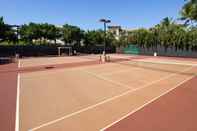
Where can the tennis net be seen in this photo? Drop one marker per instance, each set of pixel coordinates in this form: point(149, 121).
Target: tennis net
point(171, 67)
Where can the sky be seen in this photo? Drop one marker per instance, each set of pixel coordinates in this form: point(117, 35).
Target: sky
point(129, 14)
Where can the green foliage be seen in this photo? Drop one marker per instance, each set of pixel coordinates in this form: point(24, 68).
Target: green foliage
point(94, 37)
point(41, 32)
point(110, 39)
point(3, 29)
point(97, 37)
point(168, 34)
point(192, 38)
point(71, 34)
point(6, 32)
point(189, 11)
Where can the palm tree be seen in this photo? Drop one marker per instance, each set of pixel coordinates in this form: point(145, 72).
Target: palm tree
point(189, 11)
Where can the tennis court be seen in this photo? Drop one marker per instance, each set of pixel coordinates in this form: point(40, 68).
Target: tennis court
point(44, 61)
point(95, 96)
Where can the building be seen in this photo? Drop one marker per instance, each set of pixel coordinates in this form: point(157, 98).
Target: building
point(116, 30)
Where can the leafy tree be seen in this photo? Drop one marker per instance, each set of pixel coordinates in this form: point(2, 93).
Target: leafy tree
point(27, 33)
point(140, 37)
point(121, 42)
point(94, 37)
point(112, 41)
point(168, 34)
point(6, 32)
point(54, 33)
point(41, 32)
point(189, 11)
point(31, 32)
point(49, 32)
point(71, 34)
point(2, 29)
point(192, 38)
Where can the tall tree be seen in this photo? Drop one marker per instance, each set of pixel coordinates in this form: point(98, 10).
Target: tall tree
point(94, 37)
point(41, 32)
point(192, 38)
point(29, 32)
point(6, 32)
point(189, 11)
point(2, 29)
point(71, 34)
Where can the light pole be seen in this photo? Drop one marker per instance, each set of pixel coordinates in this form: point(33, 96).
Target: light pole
point(105, 21)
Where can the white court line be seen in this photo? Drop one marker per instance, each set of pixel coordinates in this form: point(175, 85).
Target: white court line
point(17, 104)
point(108, 80)
point(105, 101)
point(149, 102)
point(117, 72)
point(19, 63)
point(162, 62)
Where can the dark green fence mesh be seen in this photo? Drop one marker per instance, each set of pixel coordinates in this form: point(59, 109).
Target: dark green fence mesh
point(131, 49)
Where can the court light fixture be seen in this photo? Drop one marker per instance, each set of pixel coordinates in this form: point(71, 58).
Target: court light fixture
point(105, 21)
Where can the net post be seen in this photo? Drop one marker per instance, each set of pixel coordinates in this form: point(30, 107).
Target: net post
point(59, 53)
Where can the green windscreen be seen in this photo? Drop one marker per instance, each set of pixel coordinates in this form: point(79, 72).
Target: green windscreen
point(131, 49)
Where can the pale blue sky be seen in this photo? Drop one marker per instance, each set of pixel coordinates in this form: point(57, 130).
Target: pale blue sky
point(86, 13)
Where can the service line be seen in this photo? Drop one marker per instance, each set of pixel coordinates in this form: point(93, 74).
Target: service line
point(144, 105)
point(107, 100)
point(17, 104)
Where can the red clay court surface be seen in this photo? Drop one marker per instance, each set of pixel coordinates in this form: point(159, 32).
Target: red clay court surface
point(166, 113)
point(8, 88)
point(85, 95)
